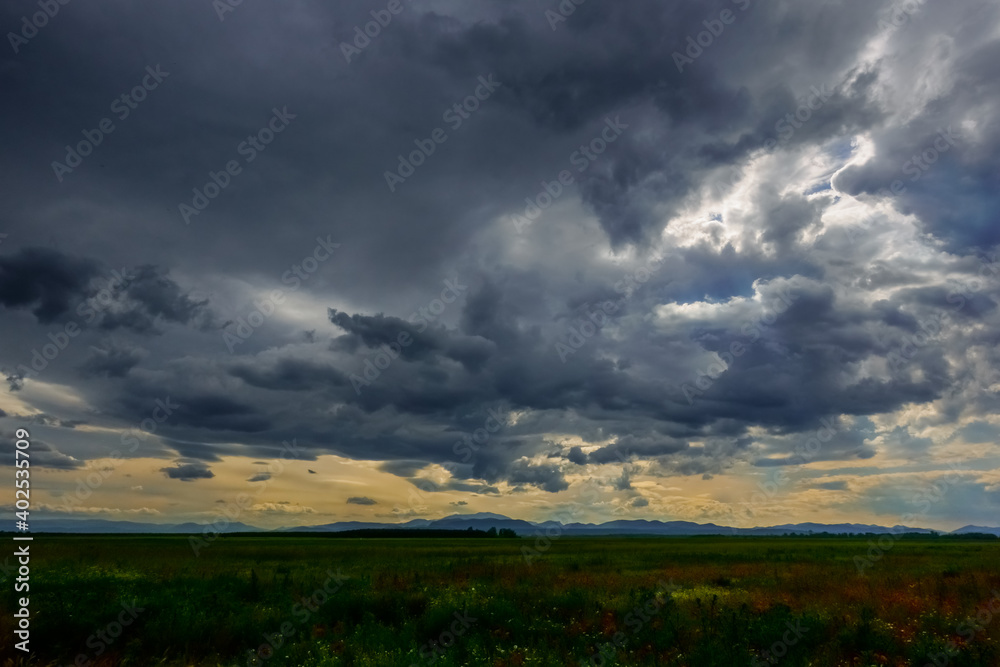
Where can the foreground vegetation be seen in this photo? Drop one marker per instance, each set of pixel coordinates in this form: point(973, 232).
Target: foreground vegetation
point(314, 601)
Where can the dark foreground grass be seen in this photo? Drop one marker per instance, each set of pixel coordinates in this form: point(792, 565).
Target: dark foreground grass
point(639, 601)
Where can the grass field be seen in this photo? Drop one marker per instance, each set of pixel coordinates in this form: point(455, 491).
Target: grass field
point(445, 602)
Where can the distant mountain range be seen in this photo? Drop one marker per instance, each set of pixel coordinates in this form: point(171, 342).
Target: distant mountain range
point(487, 520)
point(964, 530)
point(104, 526)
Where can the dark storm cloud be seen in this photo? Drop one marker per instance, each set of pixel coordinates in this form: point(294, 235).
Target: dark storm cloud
point(482, 489)
point(14, 379)
point(114, 359)
point(576, 455)
point(843, 444)
point(60, 286)
point(188, 472)
point(46, 281)
point(784, 219)
point(288, 375)
point(776, 389)
point(377, 330)
point(546, 477)
point(42, 454)
point(44, 419)
point(836, 309)
point(558, 87)
point(151, 296)
point(639, 444)
point(411, 341)
point(218, 412)
point(403, 468)
point(420, 388)
point(361, 500)
point(623, 483)
point(945, 177)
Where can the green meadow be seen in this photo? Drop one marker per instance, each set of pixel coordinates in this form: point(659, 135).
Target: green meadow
point(319, 601)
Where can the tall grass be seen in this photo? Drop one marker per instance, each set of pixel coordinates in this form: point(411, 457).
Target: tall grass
point(734, 603)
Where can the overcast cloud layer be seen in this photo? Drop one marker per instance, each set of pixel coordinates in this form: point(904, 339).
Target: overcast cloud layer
point(715, 261)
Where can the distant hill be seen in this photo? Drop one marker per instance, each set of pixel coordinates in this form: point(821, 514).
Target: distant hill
point(483, 521)
point(965, 530)
point(104, 526)
point(838, 528)
point(412, 532)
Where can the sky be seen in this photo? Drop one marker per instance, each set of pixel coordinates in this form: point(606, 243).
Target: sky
point(304, 262)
